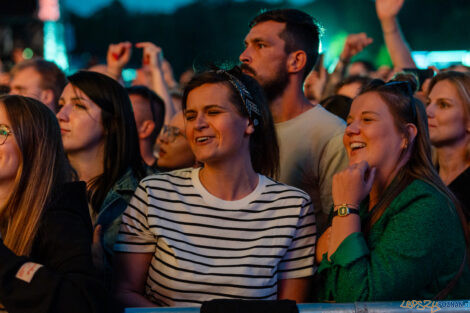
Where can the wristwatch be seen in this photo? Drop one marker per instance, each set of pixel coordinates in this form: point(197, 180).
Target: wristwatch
point(344, 210)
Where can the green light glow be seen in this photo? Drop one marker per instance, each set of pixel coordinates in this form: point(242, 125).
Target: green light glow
point(28, 53)
point(54, 45)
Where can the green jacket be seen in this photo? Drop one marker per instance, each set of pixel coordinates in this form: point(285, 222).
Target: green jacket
point(412, 252)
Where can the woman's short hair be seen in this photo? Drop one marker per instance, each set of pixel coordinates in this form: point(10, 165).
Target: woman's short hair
point(264, 150)
point(43, 168)
point(121, 144)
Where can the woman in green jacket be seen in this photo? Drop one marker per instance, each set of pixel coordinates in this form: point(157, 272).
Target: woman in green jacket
point(396, 232)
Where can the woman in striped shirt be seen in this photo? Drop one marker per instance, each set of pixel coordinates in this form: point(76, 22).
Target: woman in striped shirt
point(225, 230)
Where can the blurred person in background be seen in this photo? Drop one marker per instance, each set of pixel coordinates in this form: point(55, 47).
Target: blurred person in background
point(174, 151)
point(448, 113)
point(38, 79)
point(149, 113)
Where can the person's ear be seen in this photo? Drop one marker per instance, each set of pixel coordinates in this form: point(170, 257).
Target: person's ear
point(47, 97)
point(250, 128)
point(412, 131)
point(296, 61)
point(146, 129)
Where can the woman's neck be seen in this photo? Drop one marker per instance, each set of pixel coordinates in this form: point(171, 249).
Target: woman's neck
point(229, 181)
point(452, 162)
point(88, 164)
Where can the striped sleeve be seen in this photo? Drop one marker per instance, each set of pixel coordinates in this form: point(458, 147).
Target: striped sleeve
point(300, 256)
point(135, 234)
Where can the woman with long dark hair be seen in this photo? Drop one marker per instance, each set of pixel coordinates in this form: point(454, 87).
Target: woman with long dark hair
point(396, 232)
point(100, 138)
point(223, 230)
point(45, 255)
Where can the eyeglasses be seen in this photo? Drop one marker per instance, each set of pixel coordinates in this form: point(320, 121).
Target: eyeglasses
point(171, 132)
point(4, 132)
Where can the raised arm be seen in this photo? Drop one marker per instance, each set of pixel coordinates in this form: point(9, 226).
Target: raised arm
point(117, 57)
point(152, 55)
point(387, 11)
point(354, 44)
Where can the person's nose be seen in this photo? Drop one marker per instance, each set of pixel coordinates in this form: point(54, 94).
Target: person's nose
point(245, 56)
point(352, 129)
point(63, 114)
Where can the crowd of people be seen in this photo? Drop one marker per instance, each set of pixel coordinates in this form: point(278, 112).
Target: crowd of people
point(270, 180)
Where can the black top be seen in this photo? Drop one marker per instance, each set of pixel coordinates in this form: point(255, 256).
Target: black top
point(461, 189)
point(67, 281)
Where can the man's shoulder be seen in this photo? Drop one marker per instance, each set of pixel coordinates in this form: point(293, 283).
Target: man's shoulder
point(317, 117)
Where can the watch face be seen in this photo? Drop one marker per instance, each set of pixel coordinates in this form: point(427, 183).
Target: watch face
point(343, 210)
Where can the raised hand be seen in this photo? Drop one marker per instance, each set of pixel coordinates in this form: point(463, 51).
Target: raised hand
point(387, 9)
point(353, 184)
point(354, 44)
point(118, 55)
point(152, 54)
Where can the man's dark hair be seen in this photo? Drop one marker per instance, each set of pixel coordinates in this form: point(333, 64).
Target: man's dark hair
point(301, 32)
point(157, 106)
point(52, 76)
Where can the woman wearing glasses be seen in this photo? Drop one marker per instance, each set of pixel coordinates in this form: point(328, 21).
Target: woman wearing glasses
point(46, 233)
point(174, 151)
point(395, 233)
point(100, 138)
point(225, 230)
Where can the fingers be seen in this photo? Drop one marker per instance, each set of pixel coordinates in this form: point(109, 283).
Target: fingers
point(370, 179)
point(354, 44)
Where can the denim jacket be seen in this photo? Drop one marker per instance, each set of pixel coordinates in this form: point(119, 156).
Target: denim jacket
point(109, 217)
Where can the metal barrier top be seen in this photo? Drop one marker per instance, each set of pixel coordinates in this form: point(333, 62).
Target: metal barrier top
point(414, 306)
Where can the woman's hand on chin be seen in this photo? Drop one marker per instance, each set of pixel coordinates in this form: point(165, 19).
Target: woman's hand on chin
point(353, 184)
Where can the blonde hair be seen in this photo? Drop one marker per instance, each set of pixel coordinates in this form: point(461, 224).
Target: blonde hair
point(43, 167)
point(461, 82)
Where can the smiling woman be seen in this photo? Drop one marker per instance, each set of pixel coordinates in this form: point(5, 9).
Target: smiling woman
point(392, 211)
point(225, 230)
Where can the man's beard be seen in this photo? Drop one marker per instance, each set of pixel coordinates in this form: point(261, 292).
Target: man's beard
point(272, 88)
point(275, 87)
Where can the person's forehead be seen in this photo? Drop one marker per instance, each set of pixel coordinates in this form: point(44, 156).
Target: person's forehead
point(138, 100)
point(267, 29)
point(27, 77)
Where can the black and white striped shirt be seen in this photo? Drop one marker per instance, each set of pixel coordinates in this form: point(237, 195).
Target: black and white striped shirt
point(206, 248)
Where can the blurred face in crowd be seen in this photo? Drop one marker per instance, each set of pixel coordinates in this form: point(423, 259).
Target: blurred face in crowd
point(10, 155)
point(27, 82)
point(350, 90)
point(448, 120)
point(357, 69)
point(141, 108)
point(174, 150)
point(80, 121)
point(215, 129)
point(264, 57)
point(371, 134)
